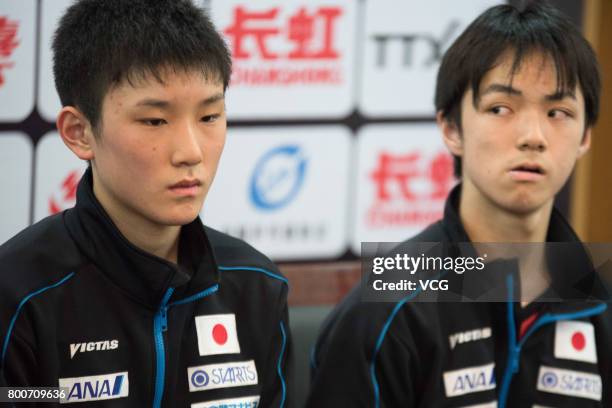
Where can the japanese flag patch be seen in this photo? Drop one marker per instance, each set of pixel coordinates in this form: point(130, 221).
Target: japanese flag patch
point(575, 341)
point(217, 334)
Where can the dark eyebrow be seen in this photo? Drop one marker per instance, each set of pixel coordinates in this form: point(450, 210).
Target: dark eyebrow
point(163, 104)
point(501, 88)
point(560, 95)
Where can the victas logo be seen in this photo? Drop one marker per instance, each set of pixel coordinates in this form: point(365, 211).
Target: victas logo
point(95, 388)
point(93, 346)
point(225, 375)
point(470, 335)
point(278, 177)
point(469, 380)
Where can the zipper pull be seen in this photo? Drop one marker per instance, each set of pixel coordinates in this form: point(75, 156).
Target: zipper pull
point(164, 318)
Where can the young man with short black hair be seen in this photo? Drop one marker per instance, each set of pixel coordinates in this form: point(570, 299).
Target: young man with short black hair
point(127, 300)
point(517, 95)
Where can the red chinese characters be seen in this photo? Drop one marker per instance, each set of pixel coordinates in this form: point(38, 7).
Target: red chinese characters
point(280, 40)
point(409, 188)
point(69, 189)
point(8, 43)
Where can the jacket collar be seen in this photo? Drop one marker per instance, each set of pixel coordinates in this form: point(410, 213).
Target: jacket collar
point(143, 276)
point(572, 273)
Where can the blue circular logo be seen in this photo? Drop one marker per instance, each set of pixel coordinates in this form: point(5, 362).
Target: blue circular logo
point(278, 177)
point(549, 380)
point(199, 378)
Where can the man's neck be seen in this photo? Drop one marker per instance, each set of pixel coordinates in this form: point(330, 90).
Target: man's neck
point(159, 240)
point(484, 221)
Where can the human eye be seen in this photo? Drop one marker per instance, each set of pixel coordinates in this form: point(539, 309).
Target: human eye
point(153, 122)
point(210, 118)
point(499, 110)
point(559, 114)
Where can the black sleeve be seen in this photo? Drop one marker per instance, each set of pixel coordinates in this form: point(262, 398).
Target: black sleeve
point(362, 362)
point(279, 366)
point(20, 367)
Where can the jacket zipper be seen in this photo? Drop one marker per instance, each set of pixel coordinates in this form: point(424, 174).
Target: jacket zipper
point(160, 325)
point(514, 348)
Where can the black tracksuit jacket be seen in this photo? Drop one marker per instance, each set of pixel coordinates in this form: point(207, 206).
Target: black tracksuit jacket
point(83, 308)
point(450, 354)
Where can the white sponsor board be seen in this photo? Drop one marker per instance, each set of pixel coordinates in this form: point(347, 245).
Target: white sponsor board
point(17, 52)
point(403, 176)
point(58, 172)
point(290, 58)
point(284, 190)
point(403, 43)
point(48, 100)
point(15, 183)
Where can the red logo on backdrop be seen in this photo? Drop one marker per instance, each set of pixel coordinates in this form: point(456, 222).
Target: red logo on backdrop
point(410, 188)
point(305, 36)
point(8, 43)
point(68, 194)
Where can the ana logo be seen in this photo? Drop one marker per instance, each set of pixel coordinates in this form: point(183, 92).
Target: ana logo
point(8, 43)
point(225, 375)
point(68, 196)
point(278, 177)
point(569, 382)
point(469, 380)
point(217, 334)
point(93, 346)
point(95, 388)
point(470, 335)
point(242, 402)
point(575, 341)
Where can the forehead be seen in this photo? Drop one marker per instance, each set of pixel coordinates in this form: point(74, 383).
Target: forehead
point(164, 81)
point(531, 73)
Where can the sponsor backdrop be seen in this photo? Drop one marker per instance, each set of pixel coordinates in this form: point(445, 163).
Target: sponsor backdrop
point(332, 139)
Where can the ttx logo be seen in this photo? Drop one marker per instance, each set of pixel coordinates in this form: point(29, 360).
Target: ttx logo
point(409, 44)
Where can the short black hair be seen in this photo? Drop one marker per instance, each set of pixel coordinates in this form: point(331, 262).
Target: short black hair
point(533, 27)
point(100, 43)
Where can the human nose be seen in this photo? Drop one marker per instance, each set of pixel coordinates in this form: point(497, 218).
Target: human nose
point(532, 133)
point(187, 149)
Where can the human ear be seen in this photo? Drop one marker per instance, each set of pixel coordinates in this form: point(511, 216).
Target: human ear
point(585, 144)
point(450, 134)
point(75, 130)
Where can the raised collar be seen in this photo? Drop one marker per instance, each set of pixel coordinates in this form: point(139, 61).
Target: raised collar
point(143, 276)
point(572, 273)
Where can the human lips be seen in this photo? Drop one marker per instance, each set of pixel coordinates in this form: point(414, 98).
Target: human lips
point(527, 171)
point(186, 187)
